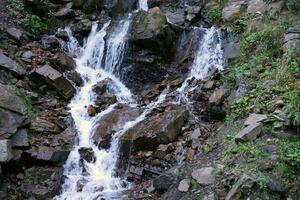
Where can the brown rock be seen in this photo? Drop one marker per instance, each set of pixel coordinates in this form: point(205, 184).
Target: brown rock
point(91, 111)
point(217, 96)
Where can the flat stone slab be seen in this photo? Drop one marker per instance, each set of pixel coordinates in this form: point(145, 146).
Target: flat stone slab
point(249, 133)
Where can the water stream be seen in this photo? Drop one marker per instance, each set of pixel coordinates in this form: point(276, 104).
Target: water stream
point(99, 58)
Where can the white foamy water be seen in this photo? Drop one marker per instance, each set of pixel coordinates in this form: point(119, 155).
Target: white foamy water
point(208, 59)
point(97, 178)
point(143, 5)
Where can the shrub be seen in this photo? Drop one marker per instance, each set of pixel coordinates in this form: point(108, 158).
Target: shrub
point(293, 5)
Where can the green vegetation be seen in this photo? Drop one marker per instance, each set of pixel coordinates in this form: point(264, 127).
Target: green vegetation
point(28, 104)
point(31, 22)
point(213, 15)
point(293, 5)
point(261, 61)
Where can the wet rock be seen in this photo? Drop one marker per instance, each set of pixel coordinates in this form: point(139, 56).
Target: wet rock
point(50, 42)
point(233, 9)
point(244, 182)
point(5, 151)
point(231, 45)
point(251, 132)
point(83, 27)
point(91, 110)
point(112, 122)
point(217, 96)
point(55, 79)
point(153, 42)
point(20, 139)
point(87, 154)
point(13, 113)
point(43, 126)
point(255, 118)
point(8, 64)
point(75, 77)
point(184, 185)
point(204, 176)
point(159, 128)
point(113, 7)
point(62, 62)
point(163, 182)
point(192, 12)
point(190, 154)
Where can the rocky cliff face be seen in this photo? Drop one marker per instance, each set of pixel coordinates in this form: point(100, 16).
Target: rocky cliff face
point(200, 150)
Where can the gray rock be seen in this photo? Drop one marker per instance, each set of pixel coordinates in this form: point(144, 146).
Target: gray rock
point(49, 154)
point(195, 138)
point(233, 9)
point(255, 118)
point(192, 12)
point(184, 185)
point(20, 139)
point(8, 64)
point(163, 182)
point(244, 182)
point(275, 185)
point(249, 133)
point(257, 7)
point(13, 113)
point(27, 54)
point(204, 176)
point(65, 13)
point(56, 80)
point(16, 34)
point(292, 38)
point(5, 151)
point(43, 126)
point(209, 196)
point(217, 96)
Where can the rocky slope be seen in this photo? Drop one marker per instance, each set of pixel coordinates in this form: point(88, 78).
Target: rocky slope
point(238, 139)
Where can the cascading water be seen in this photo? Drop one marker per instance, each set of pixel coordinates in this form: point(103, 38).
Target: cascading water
point(98, 59)
point(97, 177)
point(208, 59)
point(143, 5)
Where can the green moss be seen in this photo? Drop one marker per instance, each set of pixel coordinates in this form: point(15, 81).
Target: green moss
point(213, 15)
point(28, 104)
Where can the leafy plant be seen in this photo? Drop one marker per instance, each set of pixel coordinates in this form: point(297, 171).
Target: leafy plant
point(213, 15)
point(238, 26)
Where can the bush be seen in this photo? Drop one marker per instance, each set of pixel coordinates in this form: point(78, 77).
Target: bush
point(238, 26)
point(34, 23)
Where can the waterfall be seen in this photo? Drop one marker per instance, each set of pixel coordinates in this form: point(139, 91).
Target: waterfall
point(143, 5)
point(100, 58)
point(97, 177)
point(208, 59)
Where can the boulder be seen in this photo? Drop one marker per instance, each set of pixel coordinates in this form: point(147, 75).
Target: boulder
point(249, 133)
point(158, 128)
point(152, 41)
point(204, 176)
point(13, 112)
point(113, 7)
point(17, 34)
point(8, 64)
point(56, 80)
point(244, 182)
point(6, 153)
point(62, 62)
point(113, 122)
point(75, 77)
